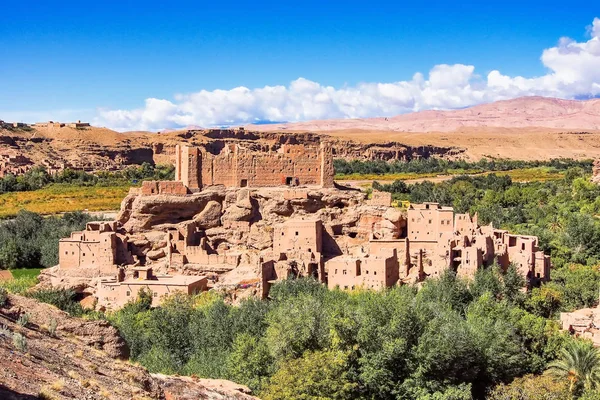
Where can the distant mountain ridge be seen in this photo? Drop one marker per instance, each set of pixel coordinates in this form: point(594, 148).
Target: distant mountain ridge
point(523, 112)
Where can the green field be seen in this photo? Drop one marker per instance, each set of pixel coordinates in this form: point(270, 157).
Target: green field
point(24, 280)
point(383, 177)
point(25, 273)
point(59, 198)
point(534, 174)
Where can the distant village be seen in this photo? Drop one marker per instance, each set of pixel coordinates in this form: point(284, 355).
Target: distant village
point(49, 124)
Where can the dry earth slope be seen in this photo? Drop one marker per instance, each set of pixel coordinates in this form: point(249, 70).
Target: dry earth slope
point(83, 360)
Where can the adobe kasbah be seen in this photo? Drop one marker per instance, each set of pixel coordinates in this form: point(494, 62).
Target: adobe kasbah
point(240, 219)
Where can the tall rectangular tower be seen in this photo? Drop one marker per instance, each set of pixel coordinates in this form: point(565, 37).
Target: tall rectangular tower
point(188, 166)
point(326, 158)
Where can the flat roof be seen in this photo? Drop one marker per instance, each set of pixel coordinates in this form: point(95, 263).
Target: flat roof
point(173, 280)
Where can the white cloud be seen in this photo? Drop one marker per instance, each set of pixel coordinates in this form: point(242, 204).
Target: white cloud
point(573, 71)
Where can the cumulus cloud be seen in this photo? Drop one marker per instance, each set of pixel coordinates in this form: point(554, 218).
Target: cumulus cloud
point(573, 72)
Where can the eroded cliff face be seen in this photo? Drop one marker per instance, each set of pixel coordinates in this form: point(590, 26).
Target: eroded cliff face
point(97, 149)
point(84, 360)
point(346, 149)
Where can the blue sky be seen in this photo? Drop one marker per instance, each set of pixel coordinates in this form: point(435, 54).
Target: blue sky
point(101, 61)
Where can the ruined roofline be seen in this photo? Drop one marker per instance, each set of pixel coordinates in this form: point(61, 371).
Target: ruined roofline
point(71, 240)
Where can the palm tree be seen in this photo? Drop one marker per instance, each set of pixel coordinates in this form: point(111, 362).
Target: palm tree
point(579, 363)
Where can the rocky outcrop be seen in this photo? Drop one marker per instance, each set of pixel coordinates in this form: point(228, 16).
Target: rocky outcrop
point(209, 216)
point(143, 212)
point(97, 334)
point(81, 360)
point(192, 388)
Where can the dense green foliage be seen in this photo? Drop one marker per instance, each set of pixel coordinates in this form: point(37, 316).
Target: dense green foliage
point(60, 298)
point(37, 177)
point(31, 241)
point(450, 340)
point(440, 166)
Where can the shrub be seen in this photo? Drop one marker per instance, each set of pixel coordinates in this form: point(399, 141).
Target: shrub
point(20, 342)
point(52, 327)
point(3, 296)
point(60, 298)
point(23, 320)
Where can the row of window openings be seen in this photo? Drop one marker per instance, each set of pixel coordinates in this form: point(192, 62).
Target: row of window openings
point(443, 221)
point(344, 272)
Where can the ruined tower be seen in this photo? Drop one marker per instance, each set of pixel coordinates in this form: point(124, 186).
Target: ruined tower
point(236, 166)
point(188, 166)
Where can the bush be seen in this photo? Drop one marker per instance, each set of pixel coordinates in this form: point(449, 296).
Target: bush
point(52, 327)
point(3, 296)
point(61, 298)
point(23, 320)
point(31, 241)
point(20, 342)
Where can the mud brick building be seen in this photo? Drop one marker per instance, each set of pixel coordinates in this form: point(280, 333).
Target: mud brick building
point(236, 166)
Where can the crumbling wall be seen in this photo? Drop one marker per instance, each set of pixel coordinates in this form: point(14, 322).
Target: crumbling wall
point(383, 199)
point(236, 166)
point(163, 187)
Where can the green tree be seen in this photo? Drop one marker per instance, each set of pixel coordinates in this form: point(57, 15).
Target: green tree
point(578, 365)
point(296, 325)
point(249, 362)
point(545, 301)
point(318, 375)
point(532, 387)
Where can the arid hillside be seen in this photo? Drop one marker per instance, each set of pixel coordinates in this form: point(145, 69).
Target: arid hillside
point(47, 354)
point(527, 128)
point(523, 112)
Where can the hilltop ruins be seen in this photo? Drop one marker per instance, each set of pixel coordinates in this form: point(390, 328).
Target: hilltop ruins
point(242, 219)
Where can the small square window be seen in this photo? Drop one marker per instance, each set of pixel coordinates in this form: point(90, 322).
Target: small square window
point(128, 293)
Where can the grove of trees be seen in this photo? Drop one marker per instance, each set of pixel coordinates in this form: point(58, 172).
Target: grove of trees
point(31, 240)
point(452, 339)
point(441, 166)
point(38, 177)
